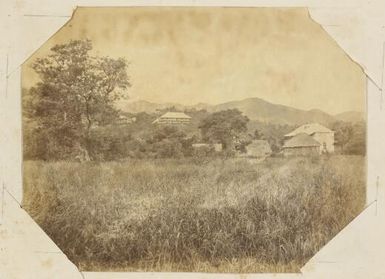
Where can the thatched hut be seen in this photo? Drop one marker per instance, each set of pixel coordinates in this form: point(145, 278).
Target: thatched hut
point(301, 145)
point(324, 136)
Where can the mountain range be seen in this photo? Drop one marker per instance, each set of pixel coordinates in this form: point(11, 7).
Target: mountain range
point(254, 108)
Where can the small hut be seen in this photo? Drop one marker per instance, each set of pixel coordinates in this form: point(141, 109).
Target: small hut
point(258, 149)
point(301, 145)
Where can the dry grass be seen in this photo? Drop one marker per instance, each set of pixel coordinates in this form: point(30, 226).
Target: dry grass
point(183, 215)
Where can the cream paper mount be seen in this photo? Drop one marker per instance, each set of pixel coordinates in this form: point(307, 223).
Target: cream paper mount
point(356, 252)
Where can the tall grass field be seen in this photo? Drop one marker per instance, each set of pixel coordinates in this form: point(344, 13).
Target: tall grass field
point(220, 215)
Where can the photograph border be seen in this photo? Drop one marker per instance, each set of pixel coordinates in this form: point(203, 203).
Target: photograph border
point(356, 26)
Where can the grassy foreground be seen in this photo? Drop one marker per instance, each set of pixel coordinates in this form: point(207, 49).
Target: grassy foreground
point(183, 215)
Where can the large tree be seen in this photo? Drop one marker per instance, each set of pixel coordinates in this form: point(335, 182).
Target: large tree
point(76, 91)
point(227, 127)
point(350, 137)
point(343, 134)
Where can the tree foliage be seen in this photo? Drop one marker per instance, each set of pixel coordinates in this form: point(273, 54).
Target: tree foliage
point(226, 127)
point(76, 92)
point(350, 137)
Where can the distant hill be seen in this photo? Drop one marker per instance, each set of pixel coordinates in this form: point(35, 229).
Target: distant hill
point(350, 116)
point(254, 108)
point(258, 109)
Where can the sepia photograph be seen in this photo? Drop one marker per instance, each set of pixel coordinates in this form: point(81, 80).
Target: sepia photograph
point(165, 139)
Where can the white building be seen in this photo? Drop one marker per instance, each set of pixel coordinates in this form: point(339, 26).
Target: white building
point(173, 118)
point(321, 134)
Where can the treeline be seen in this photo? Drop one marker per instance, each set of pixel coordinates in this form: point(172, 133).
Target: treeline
point(140, 139)
point(115, 143)
point(350, 138)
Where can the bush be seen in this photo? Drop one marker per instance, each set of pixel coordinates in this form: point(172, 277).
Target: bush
point(203, 152)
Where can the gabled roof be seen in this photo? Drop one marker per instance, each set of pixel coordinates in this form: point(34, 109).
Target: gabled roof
point(309, 129)
point(175, 115)
point(301, 140)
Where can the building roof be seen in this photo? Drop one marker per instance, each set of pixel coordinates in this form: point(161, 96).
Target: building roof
point(258, 148)
point(179, 115)
point(309, 129)
point(301, 140)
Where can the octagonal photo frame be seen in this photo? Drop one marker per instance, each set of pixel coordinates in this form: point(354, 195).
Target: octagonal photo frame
point(362, 236)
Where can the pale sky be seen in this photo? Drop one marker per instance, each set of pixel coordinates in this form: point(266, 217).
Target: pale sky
point(215, 55)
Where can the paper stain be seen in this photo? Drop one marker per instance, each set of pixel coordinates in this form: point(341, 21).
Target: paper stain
point(47, 263)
